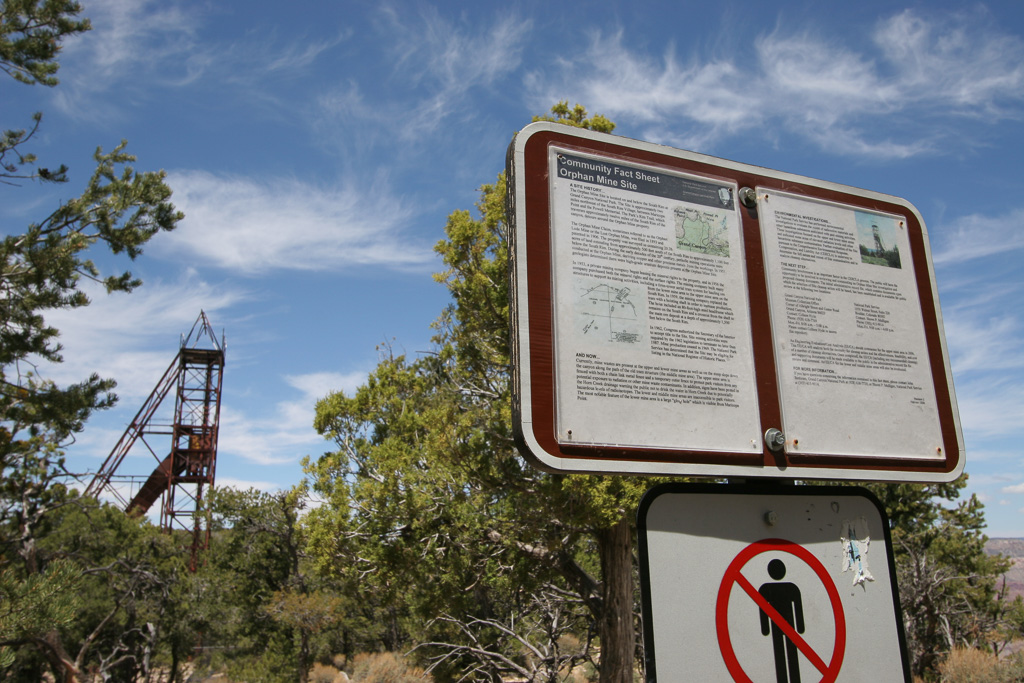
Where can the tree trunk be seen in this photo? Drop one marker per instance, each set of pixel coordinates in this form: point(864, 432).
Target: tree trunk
point(61, 666)
point(303, 655)
point(174, 665)
point(618, 638)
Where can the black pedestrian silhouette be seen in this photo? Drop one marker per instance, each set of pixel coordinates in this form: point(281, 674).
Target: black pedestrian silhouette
point(785, 598)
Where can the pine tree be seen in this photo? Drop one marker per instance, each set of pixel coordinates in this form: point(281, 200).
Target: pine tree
point(41, 269)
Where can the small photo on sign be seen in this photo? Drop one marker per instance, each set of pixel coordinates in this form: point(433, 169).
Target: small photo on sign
point(878, 240)
point(702, 230)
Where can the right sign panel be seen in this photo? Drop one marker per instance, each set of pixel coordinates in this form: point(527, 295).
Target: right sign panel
point(851, 352)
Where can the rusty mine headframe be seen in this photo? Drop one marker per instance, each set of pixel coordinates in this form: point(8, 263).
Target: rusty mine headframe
point(183, 474)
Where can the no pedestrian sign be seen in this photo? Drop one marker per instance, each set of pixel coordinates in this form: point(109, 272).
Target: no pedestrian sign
point(780, 607)
point(795, 585)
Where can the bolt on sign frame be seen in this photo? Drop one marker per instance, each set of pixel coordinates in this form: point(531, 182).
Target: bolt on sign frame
point(678, 314)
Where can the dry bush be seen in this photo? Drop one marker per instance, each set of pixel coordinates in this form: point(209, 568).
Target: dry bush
point(385, 667)
point(323, 673)
point(970, 665)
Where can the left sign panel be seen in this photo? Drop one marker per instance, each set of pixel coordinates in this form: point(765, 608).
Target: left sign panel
point(651, 333)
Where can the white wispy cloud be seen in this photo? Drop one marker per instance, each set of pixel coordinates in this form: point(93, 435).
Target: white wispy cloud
point(954, 59)
point(274, 440)
point(979, 235)
point(132, 45)
point(432, 48)
point(988, 343)
point(982, 316)
point(132, 338)
point(710, 98)
point(297, 415)
point(1002, 451)
point(137, 44)
point(287, 435)
point(139, 33)
point(246, 484)
point(990, 481)
point(254, 226)
point(1016, 488)
point(990, 406)
point(437, 64)
point(315, 386)
point(921, 70)
point(299, 55)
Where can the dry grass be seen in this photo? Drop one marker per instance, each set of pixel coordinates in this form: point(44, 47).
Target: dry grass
point(968, 665)
point(386, 667)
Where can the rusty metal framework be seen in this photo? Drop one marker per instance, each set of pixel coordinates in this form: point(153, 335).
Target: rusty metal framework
point(186, 472)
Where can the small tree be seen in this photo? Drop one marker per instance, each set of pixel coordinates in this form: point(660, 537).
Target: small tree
point(427, 495)
point(948, 584)
point(267, 604)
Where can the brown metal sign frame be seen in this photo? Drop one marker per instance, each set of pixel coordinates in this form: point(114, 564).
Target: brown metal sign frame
point(533, 349)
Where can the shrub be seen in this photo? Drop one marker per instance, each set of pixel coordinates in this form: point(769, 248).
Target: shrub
point(385, 667)
point(323, 673)
point(969, 665)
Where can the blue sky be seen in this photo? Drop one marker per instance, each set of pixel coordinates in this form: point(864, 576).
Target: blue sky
point(317, 149)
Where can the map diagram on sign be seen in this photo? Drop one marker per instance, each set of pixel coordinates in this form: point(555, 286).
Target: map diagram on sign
point(611, 314)
point(702, 230)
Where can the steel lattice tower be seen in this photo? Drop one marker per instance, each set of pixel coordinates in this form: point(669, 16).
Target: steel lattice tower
point(185, 473)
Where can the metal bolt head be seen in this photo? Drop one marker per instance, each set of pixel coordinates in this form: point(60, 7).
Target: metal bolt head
point(748, 197)
point(771, 518)
point(774, 439)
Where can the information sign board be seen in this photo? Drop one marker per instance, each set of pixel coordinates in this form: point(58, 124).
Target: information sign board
point(671, 309)
point(747, 584)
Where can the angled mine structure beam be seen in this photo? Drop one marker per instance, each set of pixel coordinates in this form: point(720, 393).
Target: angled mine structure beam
point(185, 472)
point(140, 426)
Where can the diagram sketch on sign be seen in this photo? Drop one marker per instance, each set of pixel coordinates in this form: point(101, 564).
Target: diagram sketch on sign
point(611, 313)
